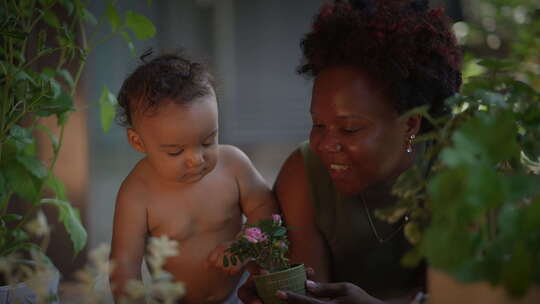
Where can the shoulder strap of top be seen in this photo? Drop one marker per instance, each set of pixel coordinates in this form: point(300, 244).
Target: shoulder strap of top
point(322, 189)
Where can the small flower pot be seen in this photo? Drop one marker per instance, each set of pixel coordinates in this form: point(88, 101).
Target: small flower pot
point(292, 279)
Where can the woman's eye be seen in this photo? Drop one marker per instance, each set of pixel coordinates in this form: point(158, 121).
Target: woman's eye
point(175, 153)
point(208, 144)
point(317, 126)
point(351, 131)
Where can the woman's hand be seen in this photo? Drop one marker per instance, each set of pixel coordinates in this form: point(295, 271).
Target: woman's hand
point(335, 293)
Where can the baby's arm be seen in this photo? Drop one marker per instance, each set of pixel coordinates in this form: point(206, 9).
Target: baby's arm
point(256, 199)
point(128, 240)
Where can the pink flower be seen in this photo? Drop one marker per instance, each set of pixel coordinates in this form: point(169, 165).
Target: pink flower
point(277, 219)
point(255, 235)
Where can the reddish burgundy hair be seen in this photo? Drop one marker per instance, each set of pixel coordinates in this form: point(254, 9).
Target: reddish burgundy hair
point(403, 44)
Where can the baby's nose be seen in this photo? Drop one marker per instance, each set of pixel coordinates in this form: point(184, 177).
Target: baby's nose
point(195, 159)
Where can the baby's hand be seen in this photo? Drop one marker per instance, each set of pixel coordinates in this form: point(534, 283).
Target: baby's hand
point(215, 259)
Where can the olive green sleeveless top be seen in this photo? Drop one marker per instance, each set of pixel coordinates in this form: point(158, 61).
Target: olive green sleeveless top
point(356, 255)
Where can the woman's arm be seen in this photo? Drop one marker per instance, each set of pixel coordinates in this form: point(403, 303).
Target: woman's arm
point(293, 194)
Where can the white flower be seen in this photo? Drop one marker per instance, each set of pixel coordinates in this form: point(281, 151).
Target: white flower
point(99, 257)
point(163, 246)
point(159, 250)
point(168, 292)
point(38, 226)
point(135, 289)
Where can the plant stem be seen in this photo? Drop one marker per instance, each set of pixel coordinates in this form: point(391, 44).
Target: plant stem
point(492, 224)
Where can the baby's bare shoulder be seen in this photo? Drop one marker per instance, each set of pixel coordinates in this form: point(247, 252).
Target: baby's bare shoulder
point(134, 188)
point(233, 156)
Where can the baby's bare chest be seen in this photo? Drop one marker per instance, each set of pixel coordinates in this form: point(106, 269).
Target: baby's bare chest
point(208, 208)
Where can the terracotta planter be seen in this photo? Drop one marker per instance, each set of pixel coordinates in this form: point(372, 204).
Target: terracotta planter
point(292, 279)
point(444, 289)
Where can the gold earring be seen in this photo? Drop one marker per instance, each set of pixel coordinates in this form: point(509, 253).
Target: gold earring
point(410, 143)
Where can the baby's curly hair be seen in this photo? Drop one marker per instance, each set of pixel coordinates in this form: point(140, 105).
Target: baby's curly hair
point(168, 76)
point(407, 47)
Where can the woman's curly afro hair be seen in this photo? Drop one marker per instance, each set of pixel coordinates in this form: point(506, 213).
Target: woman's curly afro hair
point(406, 46)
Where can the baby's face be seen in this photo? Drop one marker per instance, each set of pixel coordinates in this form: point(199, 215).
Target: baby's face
point(180, 141)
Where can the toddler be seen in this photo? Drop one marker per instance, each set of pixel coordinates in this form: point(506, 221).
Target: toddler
point(187, 187)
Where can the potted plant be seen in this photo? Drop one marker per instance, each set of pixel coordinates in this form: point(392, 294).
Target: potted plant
point(266, 244)
point(42, 43)
point(474, 203)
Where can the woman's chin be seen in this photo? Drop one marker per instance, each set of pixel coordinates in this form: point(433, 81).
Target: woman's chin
point(347, 189)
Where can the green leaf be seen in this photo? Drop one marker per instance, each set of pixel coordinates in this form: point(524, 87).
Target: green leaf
point(89, 17)
point(3, 191)
point(492, 98)
point(50, 18)
point(412, 258)
point(435, 247)
point(67, 77)
point(112, 15)
point(107, 105)
point(48, 72)
point(20, 181)
point(62, 104)
point(521, 186)
point(68, 4)
point(412, 232)
point(280, 231)
point(14, 34)
point(129, 42)
point(11, 217)
point(33, 165)
point(140, 25)
point(486, 138)
point(498, 64)
point(57, 186)
point(53, 138)
point(62, 118)
point(21, 134)
point(517, 273)
point(225, 261)
point(72, 222)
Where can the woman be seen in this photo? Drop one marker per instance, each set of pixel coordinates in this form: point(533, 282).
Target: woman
point(372, 61)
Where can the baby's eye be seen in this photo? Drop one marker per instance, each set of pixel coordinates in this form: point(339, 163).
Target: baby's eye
point(175, 153)
point(317, 126)
point(208, 144)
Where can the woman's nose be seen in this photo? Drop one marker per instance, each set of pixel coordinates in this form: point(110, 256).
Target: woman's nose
point(330, 144)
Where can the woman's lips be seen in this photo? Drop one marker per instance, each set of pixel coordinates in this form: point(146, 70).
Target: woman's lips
point(338, 171)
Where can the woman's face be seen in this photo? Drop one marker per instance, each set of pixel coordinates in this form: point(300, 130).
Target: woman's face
point(357, 132)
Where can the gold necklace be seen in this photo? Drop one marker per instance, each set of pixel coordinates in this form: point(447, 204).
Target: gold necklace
point(372, 225)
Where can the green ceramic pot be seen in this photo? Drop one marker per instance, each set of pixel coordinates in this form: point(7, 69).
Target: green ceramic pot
point(292, 279)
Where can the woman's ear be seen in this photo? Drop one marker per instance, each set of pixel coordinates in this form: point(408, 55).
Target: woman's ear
point(413, 124)
point(135, 140)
